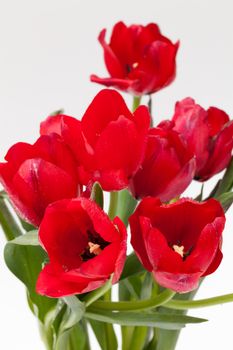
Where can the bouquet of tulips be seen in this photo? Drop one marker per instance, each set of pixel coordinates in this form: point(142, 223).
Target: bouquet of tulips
point(69, 249)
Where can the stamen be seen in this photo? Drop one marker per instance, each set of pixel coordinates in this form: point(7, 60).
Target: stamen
point(94, 248)
point(179, 249)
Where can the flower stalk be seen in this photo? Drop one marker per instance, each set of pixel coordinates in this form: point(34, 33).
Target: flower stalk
point(195, 304)
point(146, 304)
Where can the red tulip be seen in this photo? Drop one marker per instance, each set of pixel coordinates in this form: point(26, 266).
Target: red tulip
point(109, 142)
point(178, 242)
point(168, 166)
point(84, 247)
point(39, 174)
point(209, 135)
point(139, 59)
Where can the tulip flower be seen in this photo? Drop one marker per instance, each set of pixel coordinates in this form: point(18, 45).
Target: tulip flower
point(84, 247)
point(209, 135)
point(36, 175)
point(109, 142)
point(179, 242)
point(168, 166)
point(139, 59)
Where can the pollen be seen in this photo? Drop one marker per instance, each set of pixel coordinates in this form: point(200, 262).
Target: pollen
point(94, 248)
point(179, 249)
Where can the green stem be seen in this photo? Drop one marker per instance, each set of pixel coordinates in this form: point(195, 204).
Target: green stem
point(138, 338)
point(194, 304)
point(8, 222)
point(153, 342)
point(126, 334)
point(136, 102)
point(97, 195)
point(158, 300)
point(109, 330)
point(113, 205)
point(46, 336)
point(167, 339)
point(150, 110)
point(87, 344)
point(122, 204)
point(132, 267)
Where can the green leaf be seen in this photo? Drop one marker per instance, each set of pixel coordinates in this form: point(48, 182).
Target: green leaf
point(27, 227)
point(226, 200)
point(97, 293)
point(132, 266)
point(167, 339)
point(226, 183)
point(214, 190)
point(7, 220)
point(58, 111)
point(25, 262)
point(68, 313)
point(130, 288)
point(3, 194)
point(73, 339)
point(74, 312)
point(29, 238)
point(58, 316)
point(153, 342)
point(164, 321)
point(97, 194)
point(147, 286)
point(99, 331)
point(200, 196)
point(126, 205)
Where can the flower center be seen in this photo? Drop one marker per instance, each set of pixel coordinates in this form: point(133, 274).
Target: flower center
point(94, 246)
point(129, 67)
point(179, 249)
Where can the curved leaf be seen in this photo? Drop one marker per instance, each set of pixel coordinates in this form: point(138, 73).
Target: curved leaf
point(155, 319)
point(25, 262)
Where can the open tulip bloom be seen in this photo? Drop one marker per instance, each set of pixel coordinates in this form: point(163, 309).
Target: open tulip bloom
point(69, 251)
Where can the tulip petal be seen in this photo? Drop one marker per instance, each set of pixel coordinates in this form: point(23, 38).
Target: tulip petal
point(38, 183)
point(206, 247)
point(179, 282)
point(191, 122)
point(56, 285)
point(220, 155)
point(100, 221)
point(180, 182)
point(54, 124)
point(121, 139)
point(122, 84)
point(137, 240)
point(216, 120)
point(120, 261)
point(161, 256)
point(106, 107)
point(168, 166)
point(112, 62)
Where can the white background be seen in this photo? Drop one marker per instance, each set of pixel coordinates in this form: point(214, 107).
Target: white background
point(48, 49)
